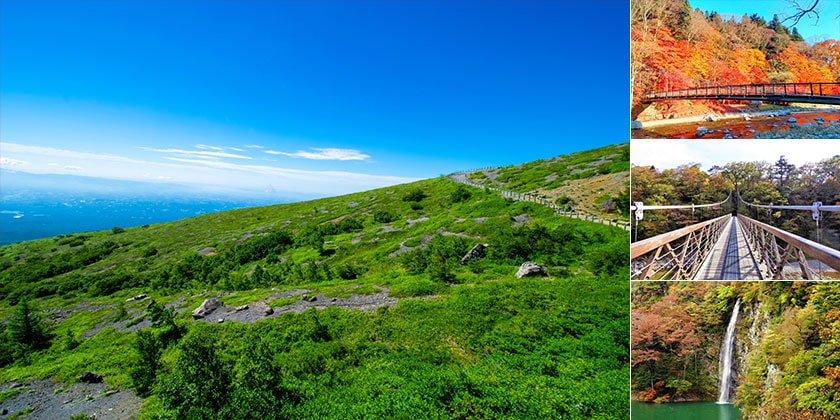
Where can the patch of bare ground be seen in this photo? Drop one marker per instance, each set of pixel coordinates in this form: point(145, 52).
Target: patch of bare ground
point(387, 228)
point(255, 311)
point(55, 400)
point(345, 216)
point(492, 174)
point(521, 219)
point(403, 249)
point(250, 312)
point(207, 251)
point(359, 302)
point(136, 318)
point(411, 222)
point(585, 192)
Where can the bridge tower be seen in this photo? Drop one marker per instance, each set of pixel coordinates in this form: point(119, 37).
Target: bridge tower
point(736, 204)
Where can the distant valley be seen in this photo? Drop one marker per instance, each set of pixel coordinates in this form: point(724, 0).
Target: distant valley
point(40, 206)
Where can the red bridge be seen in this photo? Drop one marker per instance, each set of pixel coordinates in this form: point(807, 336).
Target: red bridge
point(808, 92)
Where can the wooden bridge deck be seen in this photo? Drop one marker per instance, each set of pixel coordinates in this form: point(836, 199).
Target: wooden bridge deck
point(731, 258)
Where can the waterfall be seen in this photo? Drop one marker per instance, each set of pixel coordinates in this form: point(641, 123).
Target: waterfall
point(726, 352)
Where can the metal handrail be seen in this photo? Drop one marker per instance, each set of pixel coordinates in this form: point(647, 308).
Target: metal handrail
point(644, 246)
point(773, 256)
point(795, 90)
point(686, 247)
point(639, 207)
point(816, 206)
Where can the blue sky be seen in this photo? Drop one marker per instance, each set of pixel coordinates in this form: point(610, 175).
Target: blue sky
point(827, 26)
point(322, 97)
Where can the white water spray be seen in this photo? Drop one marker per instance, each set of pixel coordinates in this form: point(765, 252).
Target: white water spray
point(726, 351)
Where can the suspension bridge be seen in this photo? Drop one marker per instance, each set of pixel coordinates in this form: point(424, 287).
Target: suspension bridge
point(731, 246)
point(827, 93)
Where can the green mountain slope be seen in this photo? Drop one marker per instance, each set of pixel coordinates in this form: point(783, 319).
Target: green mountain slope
point(372, 314)
point(592, 181)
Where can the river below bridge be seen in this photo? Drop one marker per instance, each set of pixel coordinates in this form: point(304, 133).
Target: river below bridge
point(684, 411)
point(734, 127)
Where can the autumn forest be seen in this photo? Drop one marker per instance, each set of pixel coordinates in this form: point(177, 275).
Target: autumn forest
point(786, 344)
point(674, 46)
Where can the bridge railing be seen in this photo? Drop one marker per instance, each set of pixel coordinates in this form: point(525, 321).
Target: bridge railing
point(776, 248)
point(806, 89)
point(675, 255)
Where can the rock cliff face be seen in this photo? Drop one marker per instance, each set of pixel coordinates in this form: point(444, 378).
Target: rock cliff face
point(755, 324)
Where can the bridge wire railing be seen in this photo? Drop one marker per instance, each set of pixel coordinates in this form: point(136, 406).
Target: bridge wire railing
point(777, 248)
point(678, 254)
point(775, 256)
point(637, 208)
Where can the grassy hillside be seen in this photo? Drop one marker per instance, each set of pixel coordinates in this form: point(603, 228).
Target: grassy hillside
point(372, 315)
point(592, 181)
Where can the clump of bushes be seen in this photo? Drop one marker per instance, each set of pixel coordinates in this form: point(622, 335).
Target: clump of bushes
point(438, 259)
point(415, 195)
point(384, 216)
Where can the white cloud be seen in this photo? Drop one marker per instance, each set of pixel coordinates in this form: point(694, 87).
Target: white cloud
point(206, 147)
point(196, 169)
point(8, 162)
point(298, 174)
point(665, 154)
point(202, 153)
point(157, 177)
point(254, 146)
point(325, 154)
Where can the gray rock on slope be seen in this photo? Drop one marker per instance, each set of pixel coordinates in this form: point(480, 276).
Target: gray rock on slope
point(207, 307)
point(528, 269)
point(476, 253)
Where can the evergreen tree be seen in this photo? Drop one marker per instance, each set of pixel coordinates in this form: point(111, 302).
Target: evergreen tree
point(200, 383)
point(682, 20)
point(796, 36)
point(144, 372)
point(26, 327)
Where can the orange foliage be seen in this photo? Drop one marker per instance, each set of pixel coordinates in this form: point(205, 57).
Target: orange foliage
point(833, 374)
point(750, 63)
point(709, 52)
point(665, 327)
point(828, 54)
point(803, 69)
point(647, 395)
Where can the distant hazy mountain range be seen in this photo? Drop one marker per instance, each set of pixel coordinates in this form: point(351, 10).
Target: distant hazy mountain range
point(37, 206)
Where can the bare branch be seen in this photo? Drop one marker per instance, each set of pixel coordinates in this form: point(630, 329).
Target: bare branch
point(802, 12)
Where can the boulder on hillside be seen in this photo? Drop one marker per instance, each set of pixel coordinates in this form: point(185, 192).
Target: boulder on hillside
point(90, 377)
point(476, 253)
point(529, 269)
point(207, 307)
